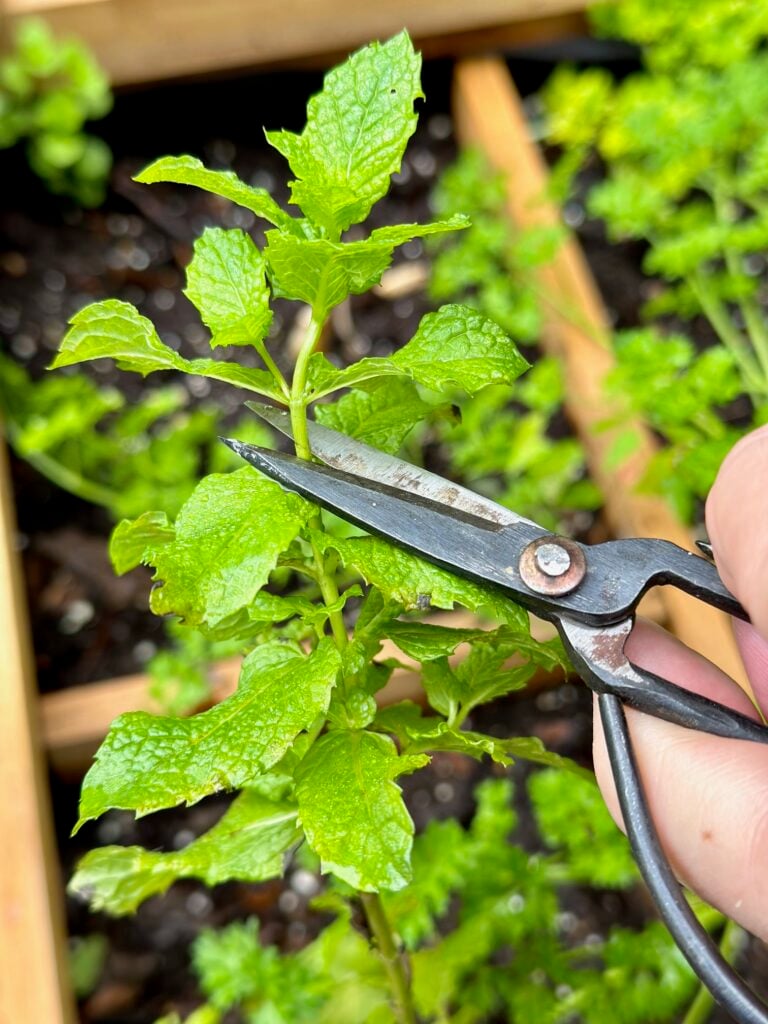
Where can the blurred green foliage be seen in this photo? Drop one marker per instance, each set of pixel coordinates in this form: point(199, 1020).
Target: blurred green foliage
point(122, 455)
point(486, 925)
point(505, 443)
point(683, 145)
point(49, 88)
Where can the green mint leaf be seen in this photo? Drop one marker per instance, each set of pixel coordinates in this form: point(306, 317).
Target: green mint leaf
point(226, 282)
point(457, 347)
point(498, 662)
point(148, 762)
point(356, 132)
point(411, 581)
point(260, 381)
point(352, 812)
point(382, 416)
point(530, 748)
point(398, 234)
point(188, 170)
point(418, 734)
point(229, 536)
point(248, 844)
point(424, 641)
point(426, 734)
point(323, 273)
point(116, 330)
point(132, 541)
point(323, 377)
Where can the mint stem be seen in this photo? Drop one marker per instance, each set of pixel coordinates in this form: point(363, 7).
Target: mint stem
point(298, 409)
point(395, 962)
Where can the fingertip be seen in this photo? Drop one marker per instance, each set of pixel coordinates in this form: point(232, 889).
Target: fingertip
point(737, 523)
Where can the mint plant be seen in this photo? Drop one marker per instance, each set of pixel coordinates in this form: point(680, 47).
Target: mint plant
point(503, 444)
point(49, 89)
point(302, 739)
point(683, 144)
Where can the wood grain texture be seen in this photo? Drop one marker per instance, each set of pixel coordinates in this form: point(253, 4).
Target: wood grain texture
point(147, 40)
point(489, 114)
point(34, 982)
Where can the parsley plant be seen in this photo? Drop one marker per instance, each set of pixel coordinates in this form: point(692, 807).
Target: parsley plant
point(49, 88)
point(684, 144)
point(487, 926)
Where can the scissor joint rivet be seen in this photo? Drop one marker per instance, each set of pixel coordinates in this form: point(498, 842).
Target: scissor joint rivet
point(552, 565)
point(552, 559)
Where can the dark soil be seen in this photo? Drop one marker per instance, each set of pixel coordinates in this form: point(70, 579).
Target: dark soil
point(89, 625)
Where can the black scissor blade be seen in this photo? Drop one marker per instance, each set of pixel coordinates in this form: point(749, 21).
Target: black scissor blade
point(452, 538)
point(457, 540)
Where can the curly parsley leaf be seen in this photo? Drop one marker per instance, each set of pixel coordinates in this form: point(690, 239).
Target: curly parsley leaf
point(356, 132)
point(188, 170)
point(148, 762)
point(226, 282)
point(116, 330)
point(572, 817)
point(352, 812)
point(248, 844)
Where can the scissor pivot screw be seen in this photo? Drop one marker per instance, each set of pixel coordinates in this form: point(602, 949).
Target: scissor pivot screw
point(552, 565)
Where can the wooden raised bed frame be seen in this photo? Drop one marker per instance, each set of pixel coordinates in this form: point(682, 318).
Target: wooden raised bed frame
point(34, 986)
point(146, 40)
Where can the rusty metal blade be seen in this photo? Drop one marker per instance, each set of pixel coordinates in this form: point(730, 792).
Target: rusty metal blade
point(351, 456)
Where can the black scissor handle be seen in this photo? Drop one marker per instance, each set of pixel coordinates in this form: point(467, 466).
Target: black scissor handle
point(727, 988)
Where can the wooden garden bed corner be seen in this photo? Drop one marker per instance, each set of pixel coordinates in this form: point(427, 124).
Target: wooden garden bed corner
point(489, 115)
point(34, 985)
point(147, 41)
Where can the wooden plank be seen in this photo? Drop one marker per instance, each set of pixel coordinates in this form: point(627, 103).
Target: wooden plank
point(489, 114)
point(34, 983)
point(144, 41)
point(75, 721)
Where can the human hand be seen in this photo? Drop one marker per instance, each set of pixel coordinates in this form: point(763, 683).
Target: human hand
point(709, 796)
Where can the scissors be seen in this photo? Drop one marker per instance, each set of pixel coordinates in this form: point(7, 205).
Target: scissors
point(589, 592)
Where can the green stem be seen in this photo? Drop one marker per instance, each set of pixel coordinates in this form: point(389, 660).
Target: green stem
point(274, 369)
point(298, 408)
point(298, 398)
point(395, 962)
point(750, 310)
point(717, 314)
point(731, 945)
point(63, 477)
